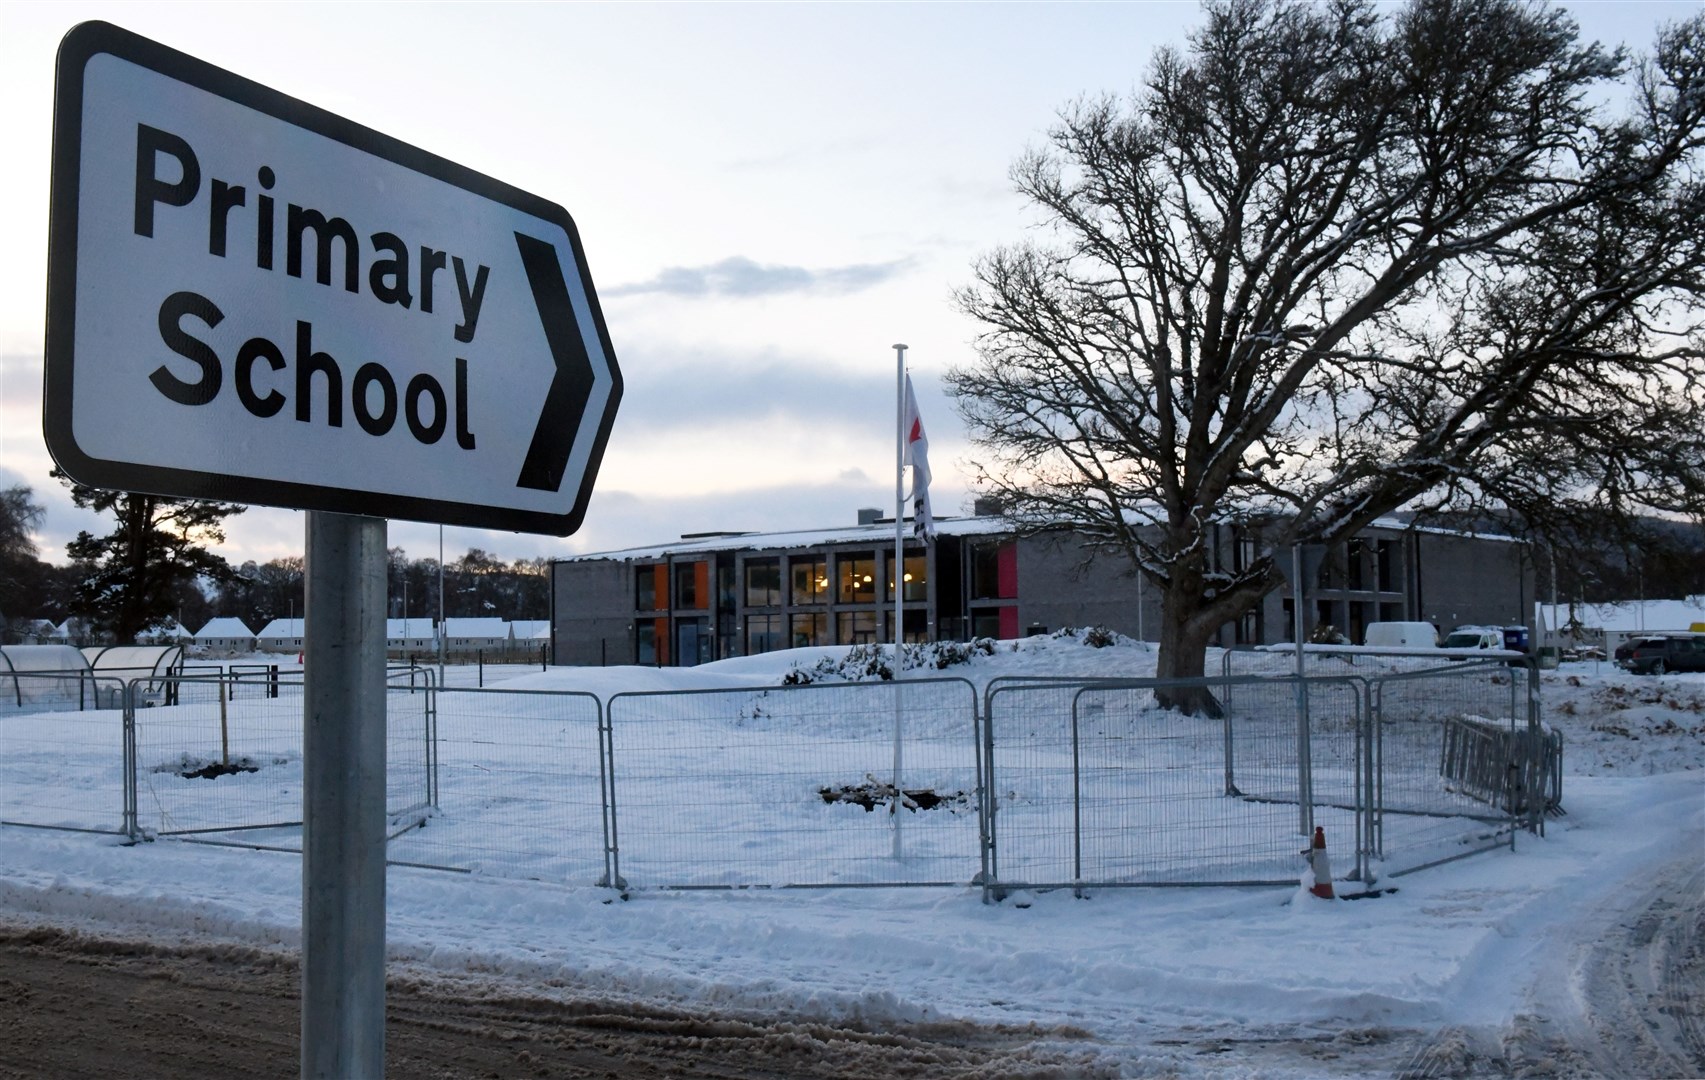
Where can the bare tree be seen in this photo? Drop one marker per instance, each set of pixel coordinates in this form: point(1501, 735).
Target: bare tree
point(1335, 260)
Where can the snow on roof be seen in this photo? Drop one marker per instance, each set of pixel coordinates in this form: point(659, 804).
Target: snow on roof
point(1633, 616)
point(170, 630)
point(281, 628)
point(881, 533)
point(408, 628)
point(527, 629)
point(225, 626)
point(476, 627)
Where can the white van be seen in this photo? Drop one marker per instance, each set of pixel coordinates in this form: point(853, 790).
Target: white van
point(1401, 635)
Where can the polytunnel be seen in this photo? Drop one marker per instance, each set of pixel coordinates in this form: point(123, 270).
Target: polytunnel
point(155, 663)
point(41, 675)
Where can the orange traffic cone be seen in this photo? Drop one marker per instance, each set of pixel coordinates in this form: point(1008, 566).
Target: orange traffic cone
point(1321, 865)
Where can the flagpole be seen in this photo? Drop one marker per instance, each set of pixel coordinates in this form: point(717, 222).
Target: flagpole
point(899, 567)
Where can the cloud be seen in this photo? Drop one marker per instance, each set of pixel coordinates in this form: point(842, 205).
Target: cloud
point(741, 277)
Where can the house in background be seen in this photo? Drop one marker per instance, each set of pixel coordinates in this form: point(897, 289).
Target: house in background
point(406, 638)
point(225, 634)
point(467, 636)
point(281, 636)
point(1610, 625)
point(529, 631)
point(171, 632)
point(709, 596)
point(34, 632)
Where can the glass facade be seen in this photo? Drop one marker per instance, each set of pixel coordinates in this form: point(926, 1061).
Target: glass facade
point(807, 629)
point(810, 580)
point(916, 579)
point(857, 628)
point(687, 585)
point(763, 634)
point(994, 571)
point(856, 575)
point(763, 583)
point(645, 587)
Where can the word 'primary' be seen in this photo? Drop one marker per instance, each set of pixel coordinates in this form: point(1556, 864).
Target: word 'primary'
point(422, 402)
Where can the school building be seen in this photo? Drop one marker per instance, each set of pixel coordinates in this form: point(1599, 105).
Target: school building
point(709, 596)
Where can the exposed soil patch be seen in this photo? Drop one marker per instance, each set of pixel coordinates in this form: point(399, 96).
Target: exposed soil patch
point(79, 1006)
point(873, 793)
point(194, 768)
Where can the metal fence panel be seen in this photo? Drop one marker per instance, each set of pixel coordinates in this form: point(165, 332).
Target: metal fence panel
point(1441, 739)
point(63, 767)
point(519, 787)
point(227, 759)
point(1095, 784)
point(792, 786)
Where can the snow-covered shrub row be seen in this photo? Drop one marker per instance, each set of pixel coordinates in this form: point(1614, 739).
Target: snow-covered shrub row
point(865, 663)
point(1096, 637)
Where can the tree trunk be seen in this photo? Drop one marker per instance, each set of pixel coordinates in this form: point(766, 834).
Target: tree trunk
point(1184, 636)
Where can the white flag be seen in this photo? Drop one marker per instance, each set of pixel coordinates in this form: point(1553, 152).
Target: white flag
point(917, 456)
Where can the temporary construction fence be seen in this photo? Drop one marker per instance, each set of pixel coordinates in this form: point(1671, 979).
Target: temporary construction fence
point(1036, 783)
point(795, 785)
point(224, 759)
point(1097, 784)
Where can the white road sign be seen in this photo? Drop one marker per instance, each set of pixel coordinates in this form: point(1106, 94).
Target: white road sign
point(252, 299)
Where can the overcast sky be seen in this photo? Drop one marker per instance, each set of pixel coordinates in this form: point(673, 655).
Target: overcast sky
point(769, 196)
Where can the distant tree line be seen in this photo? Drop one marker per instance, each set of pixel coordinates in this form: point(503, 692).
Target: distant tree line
point(477, 585)
point(158, 564)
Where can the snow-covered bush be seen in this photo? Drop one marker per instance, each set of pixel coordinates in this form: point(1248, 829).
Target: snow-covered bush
point(866, 663)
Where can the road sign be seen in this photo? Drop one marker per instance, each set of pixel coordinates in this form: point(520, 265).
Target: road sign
point(255, 300)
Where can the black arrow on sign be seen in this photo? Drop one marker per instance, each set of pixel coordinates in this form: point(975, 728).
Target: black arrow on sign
point(571, 388)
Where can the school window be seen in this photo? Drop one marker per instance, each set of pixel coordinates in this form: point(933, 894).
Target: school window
point(763, 583)
point(808, 630)
point(687, 585)
point(855, 628)
point(1386, 557)
point(994, 572)
point(916, 585)
point(810, 580)
point(645, 588)
point(857, 576)
point(763, 634)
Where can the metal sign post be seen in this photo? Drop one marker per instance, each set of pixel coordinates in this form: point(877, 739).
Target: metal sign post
point(343, 800)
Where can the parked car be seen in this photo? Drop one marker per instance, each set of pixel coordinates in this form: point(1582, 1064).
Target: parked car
point(1658, 653)
point(1402, 635)
point(1487, 637)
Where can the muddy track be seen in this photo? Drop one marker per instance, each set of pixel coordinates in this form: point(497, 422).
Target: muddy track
point(74, 1005)
point(1624, 999)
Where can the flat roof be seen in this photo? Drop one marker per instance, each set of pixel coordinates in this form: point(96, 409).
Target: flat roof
point(882, 533)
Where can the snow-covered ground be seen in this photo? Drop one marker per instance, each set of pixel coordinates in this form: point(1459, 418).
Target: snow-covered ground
point(1492, 951)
